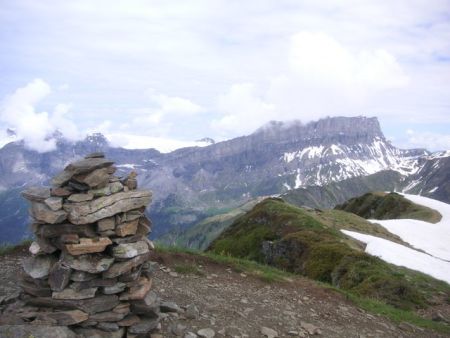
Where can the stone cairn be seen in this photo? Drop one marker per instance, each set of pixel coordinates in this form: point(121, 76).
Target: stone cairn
point(90, 267)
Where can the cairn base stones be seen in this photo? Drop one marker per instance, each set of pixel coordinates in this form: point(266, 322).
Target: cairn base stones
point(89, 266)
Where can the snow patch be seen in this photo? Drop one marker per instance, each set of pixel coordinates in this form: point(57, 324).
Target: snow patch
point(400, 255)
point(431, 238)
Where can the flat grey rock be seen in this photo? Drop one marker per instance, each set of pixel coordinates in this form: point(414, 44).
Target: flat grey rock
point(38, 266)
point(36, 194)
point(107, 206)
point(36, 331)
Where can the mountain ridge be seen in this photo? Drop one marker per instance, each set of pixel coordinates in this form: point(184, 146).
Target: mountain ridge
point(193, 183)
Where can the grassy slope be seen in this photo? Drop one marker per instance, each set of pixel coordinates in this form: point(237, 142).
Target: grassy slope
point(202, 234)
point(304, 243)
point(388, 206)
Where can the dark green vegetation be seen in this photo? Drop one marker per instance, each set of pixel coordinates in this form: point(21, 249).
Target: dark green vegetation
point(388, 206)
point(303, 241)
point(200, 229)
point(202, 234)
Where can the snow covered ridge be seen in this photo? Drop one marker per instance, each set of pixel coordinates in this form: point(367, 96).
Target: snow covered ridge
point(431, 238)
point(338, 162)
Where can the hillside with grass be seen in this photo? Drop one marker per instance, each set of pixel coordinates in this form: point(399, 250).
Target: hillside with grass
point(309, 242)
point(383, 206)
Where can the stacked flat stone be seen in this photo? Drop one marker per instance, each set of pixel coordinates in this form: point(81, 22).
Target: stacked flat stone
point(90, 267)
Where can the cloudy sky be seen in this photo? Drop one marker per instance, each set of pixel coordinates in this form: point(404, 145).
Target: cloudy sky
point(165, 73)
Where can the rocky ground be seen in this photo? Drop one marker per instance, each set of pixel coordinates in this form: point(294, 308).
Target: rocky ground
point(216, 300)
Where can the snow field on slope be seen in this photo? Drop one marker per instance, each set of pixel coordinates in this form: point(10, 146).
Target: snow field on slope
point(400, 255)
point(431, 238)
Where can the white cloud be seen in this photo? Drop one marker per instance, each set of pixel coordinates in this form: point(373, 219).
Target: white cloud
point(163, 144)
point(18, 111)
point(324, 78)
point(430, 141)
point(243, 110)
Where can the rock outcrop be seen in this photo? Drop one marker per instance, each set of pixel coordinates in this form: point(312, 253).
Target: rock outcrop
point(89, 267)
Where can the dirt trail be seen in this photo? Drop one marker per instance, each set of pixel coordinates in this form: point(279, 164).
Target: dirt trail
point(233, 303)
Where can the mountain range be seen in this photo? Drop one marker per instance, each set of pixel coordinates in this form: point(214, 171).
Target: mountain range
point(191, 184)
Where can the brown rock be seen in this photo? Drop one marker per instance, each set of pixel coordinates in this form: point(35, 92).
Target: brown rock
point(59, 276)
point(129, 320)
point(88, 245)
point(66, 317)
point(44, 214)
point(127, 228)
point(131, 276)
point(106, 224)
point(70, 293)
point(76, 198)
point(123, 308)
point(138, 291)
point(144, 226)
point(103, 207)
point(36, 194)
point(120, 268)
point(54, 203)
point(60, 192)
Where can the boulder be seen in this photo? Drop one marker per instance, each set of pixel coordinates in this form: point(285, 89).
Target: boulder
point(38, 266)
point(120, 268)
point(137, 291)
point(127, 228)
point(98, 178)
point(102, 207)
point(130, 250)
point(144, 326)
point(88, 245)
point(116, 288)
point(70, 317)
point(83, 197)
point(59, 276)
point(36, 194)
point(109, 189)
point(56, 230)
point(150, 305)
point(43, 213)
point(70, 293)
point(106, 224)
point(54, 203)
point(89, 263)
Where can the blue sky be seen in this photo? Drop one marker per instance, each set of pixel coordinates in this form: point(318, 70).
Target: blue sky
point(165, 73)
